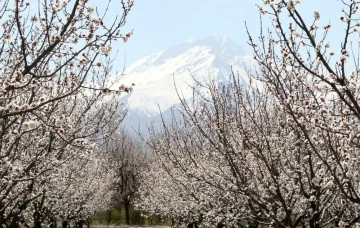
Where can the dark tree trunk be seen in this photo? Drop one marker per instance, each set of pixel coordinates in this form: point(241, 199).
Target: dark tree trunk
point(253, 224)
point(277, 225)
point(337, 221)
point(65, 224)
point(53, 223)
point(193, 225)
point(303, 225)
point(80, 224)
point(108, 216)
point(14, 223)
point(314, 224)
point(314, 221)
point(127, 211)
point(37, 224)
point(37, 220)
point(88, 222)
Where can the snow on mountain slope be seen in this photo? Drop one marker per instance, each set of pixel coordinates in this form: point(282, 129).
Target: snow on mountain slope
point(155, 76)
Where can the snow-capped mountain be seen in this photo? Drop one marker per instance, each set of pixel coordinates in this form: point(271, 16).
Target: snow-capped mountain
point(156, 76)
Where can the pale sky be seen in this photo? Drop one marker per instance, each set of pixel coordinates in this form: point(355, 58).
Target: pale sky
point(159, 24)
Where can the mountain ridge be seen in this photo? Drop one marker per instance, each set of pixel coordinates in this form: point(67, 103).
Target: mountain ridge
point(156, 75)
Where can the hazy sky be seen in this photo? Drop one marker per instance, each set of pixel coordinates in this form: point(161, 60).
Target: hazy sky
point(159, 24)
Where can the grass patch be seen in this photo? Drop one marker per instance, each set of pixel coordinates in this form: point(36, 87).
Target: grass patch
point(117, 217)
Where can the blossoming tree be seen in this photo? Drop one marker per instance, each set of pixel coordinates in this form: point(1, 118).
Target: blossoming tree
point(55, 109)
point(317, 84)
point(279, 147)
point(126, 158)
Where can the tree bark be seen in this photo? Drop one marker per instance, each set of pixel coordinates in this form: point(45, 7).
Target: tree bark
point(80, 224)
point(65, 224)
point(127, 211)
point(53, 223)
point(37, 220)
point(15, 223)
point(253, 224)
point(108, 216)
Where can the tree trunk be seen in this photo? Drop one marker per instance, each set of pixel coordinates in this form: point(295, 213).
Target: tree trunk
point(253, 224)
point(314, 221)
point(87, 222)
point(314, 224)
point(53, 223)
point(193, 225)
point(337, 222)
point(37, 220)
point(127, 211)
point(15, 223)
point(37, 224)
point(108, 216)
point(79, 224)
point(303, 225)
point(65, 224)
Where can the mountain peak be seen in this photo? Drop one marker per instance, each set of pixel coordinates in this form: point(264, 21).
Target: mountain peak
point(220, 45)
point(155, 76)
point(216, 41)
point(223, 48)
